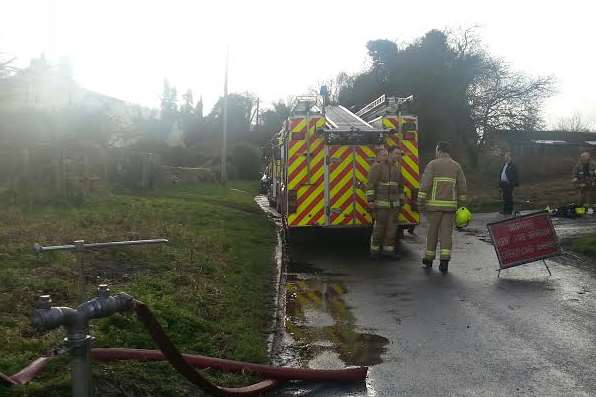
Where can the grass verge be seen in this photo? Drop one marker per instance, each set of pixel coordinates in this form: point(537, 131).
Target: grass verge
point(485, 196)
point(210, 287)
point(585, 245)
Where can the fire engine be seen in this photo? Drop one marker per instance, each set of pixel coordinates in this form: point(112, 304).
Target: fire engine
point(319, 162)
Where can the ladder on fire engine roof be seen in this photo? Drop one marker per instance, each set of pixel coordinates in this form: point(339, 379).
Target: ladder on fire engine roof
point(381, 105)
point(340, 118)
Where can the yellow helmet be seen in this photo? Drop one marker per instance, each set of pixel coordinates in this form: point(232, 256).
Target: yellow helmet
point(463, 217)
point(580, 211)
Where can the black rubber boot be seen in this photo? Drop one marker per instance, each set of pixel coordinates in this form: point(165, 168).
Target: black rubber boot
point(427, 263)
point(444, 266)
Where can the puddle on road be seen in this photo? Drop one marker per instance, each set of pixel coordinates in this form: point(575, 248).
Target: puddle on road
point(301, 269)
point(322, 324)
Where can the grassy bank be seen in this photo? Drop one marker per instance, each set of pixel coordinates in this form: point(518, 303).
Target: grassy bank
point(485, 196)
point(210, 287)
point(585, 245)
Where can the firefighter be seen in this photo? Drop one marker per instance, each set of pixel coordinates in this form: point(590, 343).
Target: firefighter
point(584, 178)
point(442, 189)
point(383, 196)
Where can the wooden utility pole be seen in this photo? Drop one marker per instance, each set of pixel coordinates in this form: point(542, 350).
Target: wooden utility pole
point(225, 122)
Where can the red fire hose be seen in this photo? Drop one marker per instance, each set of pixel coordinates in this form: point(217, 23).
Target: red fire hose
point(176, 360)
point(32, 370)
point(26, 374)
point(197, 361)
point(185, 364)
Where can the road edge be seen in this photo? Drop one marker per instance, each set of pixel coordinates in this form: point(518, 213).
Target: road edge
point(280, 260)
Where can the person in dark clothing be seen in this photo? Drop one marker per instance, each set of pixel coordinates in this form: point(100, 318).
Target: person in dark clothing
point(508, 180)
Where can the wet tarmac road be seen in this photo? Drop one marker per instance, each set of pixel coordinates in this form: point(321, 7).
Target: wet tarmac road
point(467, 333)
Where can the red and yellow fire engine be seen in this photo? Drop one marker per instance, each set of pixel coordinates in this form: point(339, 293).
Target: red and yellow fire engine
point(321, 158)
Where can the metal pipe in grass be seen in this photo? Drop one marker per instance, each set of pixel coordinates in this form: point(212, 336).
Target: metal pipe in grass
point(37, 248)
point(80, 247)
point(76, 324)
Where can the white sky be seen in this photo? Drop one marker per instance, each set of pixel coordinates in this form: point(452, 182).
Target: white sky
point(282, 48)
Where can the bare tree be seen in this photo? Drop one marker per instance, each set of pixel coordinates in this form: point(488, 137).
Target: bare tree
point(7, 71)
point(502, 99)
point(334, 86)
point(6, 67)
point(573, 123)
point(499, 98)
point(465, 41)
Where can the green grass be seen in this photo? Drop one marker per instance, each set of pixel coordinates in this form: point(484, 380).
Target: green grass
point(585, 245)
point(210, 287)
point(485, 196)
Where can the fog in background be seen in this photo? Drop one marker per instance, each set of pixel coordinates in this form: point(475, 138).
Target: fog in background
point(281, 48)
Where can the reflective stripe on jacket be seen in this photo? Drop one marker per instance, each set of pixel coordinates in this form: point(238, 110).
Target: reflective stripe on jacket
point(384, 185)
point(443, 186)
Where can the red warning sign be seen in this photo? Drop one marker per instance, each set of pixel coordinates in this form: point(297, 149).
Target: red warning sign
point(524, 239)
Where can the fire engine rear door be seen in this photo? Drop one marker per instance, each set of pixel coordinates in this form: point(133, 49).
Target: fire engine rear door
point(364, 157)
point(348, 167)
point(340, 184)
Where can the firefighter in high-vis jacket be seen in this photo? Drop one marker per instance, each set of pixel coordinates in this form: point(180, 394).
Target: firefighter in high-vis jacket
point(584, 178)
point(383, 196)
point(442, 189)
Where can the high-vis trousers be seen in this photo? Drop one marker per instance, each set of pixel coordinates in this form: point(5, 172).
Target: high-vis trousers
point(383, 234)
point(586, 196)
point(440, 229)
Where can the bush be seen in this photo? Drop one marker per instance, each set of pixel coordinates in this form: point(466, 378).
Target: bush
point(175, 156)
point(246, 161)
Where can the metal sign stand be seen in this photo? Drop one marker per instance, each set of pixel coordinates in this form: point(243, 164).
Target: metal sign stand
point(545, 265)
point(543, 261)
